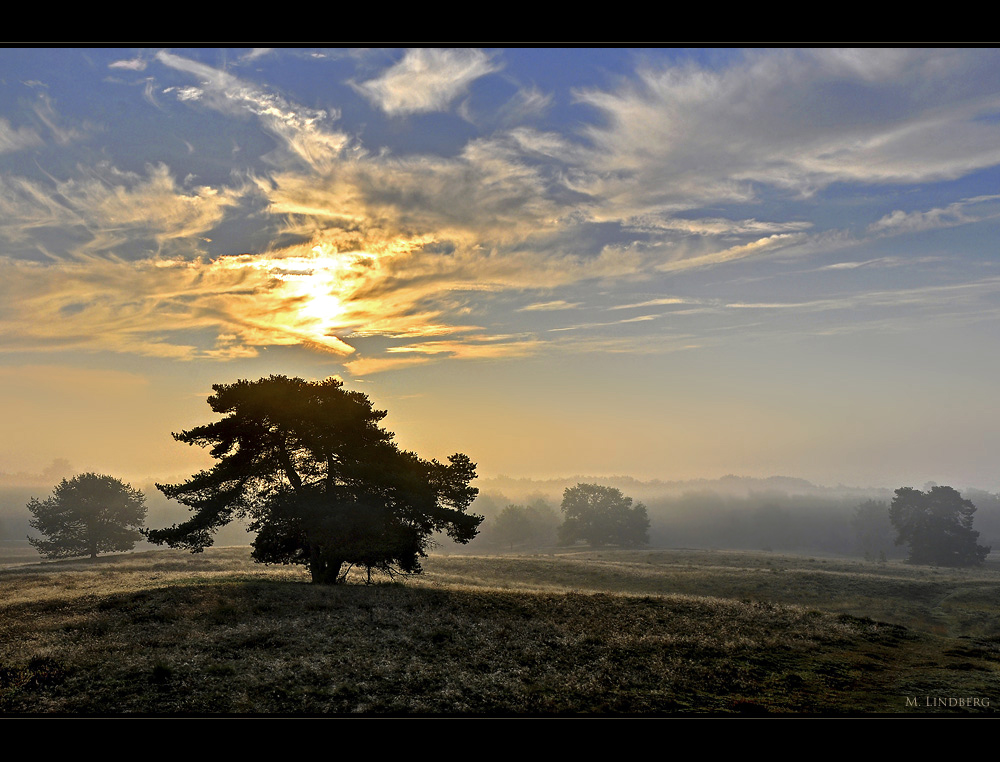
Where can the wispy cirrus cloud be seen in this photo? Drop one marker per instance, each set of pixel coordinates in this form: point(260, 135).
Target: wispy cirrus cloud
point(52, 122)
point(930, 299)
point(657, 186)
point(959, 213)
point(255, 54)
point(623, 321)
point(664, 301)
point(109, 211)
point(528, 103)
point(303, 132)
point(129, 64)
point(797, 120)
point(223, 308)
point(17, 138)
point(558, 304)
point(426, 79)
point(758, 247)
point(877, 262)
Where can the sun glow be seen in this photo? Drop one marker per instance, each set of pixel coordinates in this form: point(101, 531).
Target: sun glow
point(319, 295)
point(308, 293)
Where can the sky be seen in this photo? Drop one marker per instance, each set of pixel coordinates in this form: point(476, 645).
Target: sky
point(669, 264)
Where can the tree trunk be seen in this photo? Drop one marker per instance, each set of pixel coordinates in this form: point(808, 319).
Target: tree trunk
point(325, 571)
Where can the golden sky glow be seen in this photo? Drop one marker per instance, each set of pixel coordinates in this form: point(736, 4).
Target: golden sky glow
point(665, 263)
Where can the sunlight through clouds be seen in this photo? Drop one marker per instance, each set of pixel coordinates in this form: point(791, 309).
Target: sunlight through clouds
point(425, 214)
point(369, 242)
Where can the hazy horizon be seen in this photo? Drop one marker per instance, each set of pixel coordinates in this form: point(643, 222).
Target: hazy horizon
point(661, 264)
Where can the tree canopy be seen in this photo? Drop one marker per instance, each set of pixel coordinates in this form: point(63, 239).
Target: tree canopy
point(873, 529)
point(86, 515)
point(602, 516)
point(937, 526)
point(535, 523)
point(322, 484)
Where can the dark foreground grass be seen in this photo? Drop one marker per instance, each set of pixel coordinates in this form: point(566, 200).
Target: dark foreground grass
point(166, 633)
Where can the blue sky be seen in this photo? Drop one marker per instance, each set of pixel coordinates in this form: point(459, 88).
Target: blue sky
point(663, 263)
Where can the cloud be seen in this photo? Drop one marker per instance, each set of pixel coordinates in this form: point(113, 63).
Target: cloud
point(185, 93)
point(684, 135)
point(624, 321)
point(473, 347)
point(254, 54)
point(367, 366)
point(222, 308)
point(45, 112)
point(17, 138)
point(480, 347)
point(954, 298)
point(131, 64)
point(527, 103)
point(485, 196)
point(734, 253)
point(516, 209)
point(878, 262)
point(426, 79)
point(711, 226)
point(360, 244)
point(651, 303)
point(899, 222)
point(558, 304)
point(107, 210)
point(302, 132)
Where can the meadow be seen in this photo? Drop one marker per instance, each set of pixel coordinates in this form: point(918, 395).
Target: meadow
point(561, 632)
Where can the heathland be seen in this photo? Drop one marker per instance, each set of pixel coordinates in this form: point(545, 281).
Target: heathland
point(554, 632)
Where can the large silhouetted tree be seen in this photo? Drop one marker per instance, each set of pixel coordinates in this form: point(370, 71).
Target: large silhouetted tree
point(87, 515)
point(937, 526)
point(602, 516)
point(322, 484)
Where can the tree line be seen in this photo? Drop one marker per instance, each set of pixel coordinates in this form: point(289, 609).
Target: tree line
point(324, 486)
point(935, 526)
point(594, 514)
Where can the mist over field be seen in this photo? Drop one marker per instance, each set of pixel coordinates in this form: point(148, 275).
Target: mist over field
point(776, 513)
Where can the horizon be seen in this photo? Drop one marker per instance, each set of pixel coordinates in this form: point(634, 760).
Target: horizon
point(673, 264)
point(62, 469)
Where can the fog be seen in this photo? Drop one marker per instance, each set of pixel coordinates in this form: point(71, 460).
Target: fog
point(774, 514)
point(779, 513)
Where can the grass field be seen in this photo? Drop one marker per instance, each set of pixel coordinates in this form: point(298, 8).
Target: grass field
point(655, 632)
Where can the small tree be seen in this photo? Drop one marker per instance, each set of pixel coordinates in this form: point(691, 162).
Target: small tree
point(513, 526)
point(535, 523)
point(873, 529)
point(87, 515)
point(937, 526)
point(602, 516)
point(544, 522)
point(322, 484)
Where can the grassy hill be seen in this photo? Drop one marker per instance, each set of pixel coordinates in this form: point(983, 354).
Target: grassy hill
point(608, 632)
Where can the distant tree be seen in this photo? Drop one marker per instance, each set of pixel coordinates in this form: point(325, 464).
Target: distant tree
point(544, 522)
point(87, 515)
point(873, 529)
point(513, 526)
point(937, 526)
point(322, 484)
point(602, 516)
